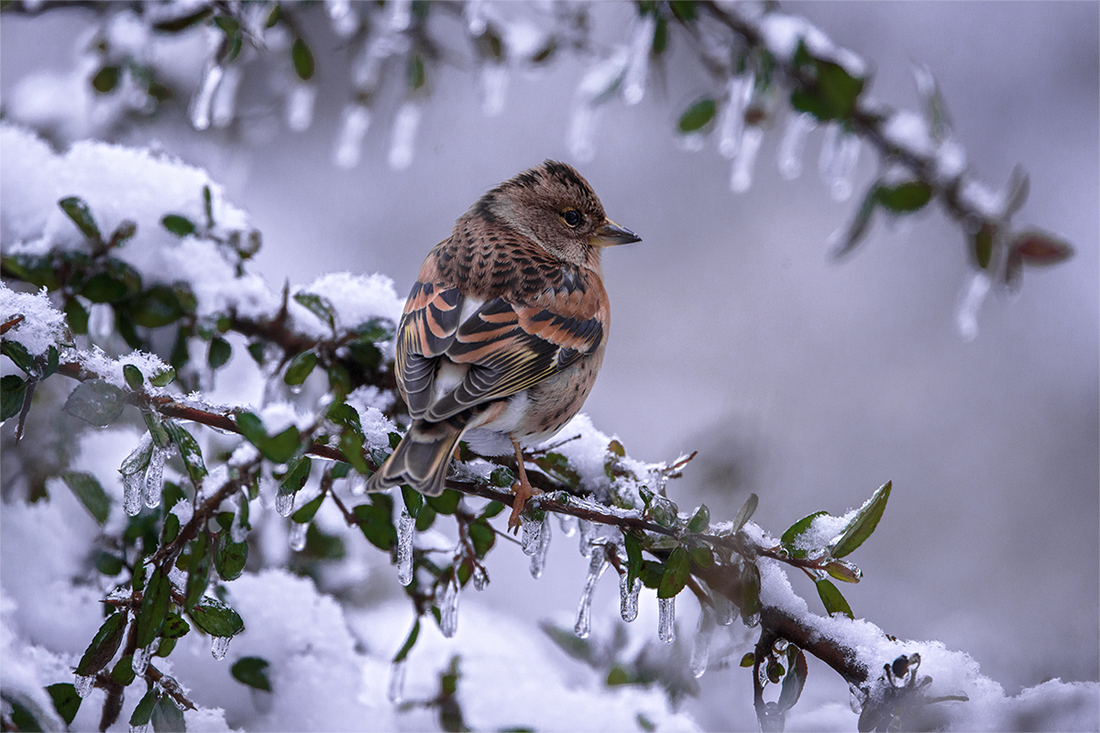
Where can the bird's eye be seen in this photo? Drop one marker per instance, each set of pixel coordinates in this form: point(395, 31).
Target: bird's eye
point(572, 218)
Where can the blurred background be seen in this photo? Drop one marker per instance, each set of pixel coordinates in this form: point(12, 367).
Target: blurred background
point(807, 381)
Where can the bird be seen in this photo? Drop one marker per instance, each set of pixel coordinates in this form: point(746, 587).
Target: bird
point(505, 328)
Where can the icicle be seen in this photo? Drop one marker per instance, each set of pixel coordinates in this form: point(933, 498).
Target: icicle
point(666, 619)
point(538, 559)
point(400, 14)
point(84, 684)
point(199, 111)
point(219, 645)
point(731, 128)
point(448, 609)
point(344, 21)
point(154, 477)
point(406, 527)
point(837, 164)
point(480, 577)
point(353, 128)
point(967, 314)
point(741, 168)
point(494, 83)
point(588, 536)
point(700, 646)
point(581, 132)
point(641, 43)
point(475, 17)
point(299, 106)
point(568, 524)
point(140, 660)
point(225, 98)
point(101, 321)
point(724, 611)
point(297, 537)
point(628, 598)
point(793, 143)
point(131, 492)
point(584, 610)
point(403, 135)
point(530, 534)
point(284, 503)
point(395, 690)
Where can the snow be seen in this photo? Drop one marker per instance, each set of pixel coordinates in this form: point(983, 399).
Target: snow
point(42, 326)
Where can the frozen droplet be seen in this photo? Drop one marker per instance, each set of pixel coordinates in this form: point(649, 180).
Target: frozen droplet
point(140, 661)
point(448, 608)
point(284, 503)
point(538, 559)
point(793, 143)
point(666, 619)
point(131, 492)
point(101, 321)
point(225, 98)
point(530, 534)
point(855, 699)
point(700, 645)
point(154, 478)
point(353, 128)
point(742, 165)
point(494, 83)
point(588, 535)
point(628, 598)
point(395, 690)
point(837, 164)
point(480, 577)
point(143, 728)
point(400, 14)
point(219, 646)
point(724, 611)
point(596, 567)
point(637, 69)
point(403, 135)
point(299, 106)
point(297, 536)
point(568, 524)
point(474, 10)
point(203, 100)
point(731, 126)
point(971, 302)
point(345, 21)
point(406, 527)
point(84, 684)
point(582, 128)
point(357, 485)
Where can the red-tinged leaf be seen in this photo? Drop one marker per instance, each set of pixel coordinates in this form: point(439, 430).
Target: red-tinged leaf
point(1040, 248)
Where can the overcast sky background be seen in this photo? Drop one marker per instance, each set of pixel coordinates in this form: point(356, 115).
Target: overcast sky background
point(806, 381)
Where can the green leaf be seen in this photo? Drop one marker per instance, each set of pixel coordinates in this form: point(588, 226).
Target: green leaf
point(154, 608)
point(198, 569)
point(683, 10)
point(158, 306)
point(106, 79)
point(426, 518)
point(104, 288)
point(230, 557)
point(482, 536)
point(218, 353)
point(904, 198)
point(374, 520)
point(698, 115)
point(123, 672)
point(252, 671)
point(104, 645)
point(95, 402)
point(832, 599)
point(90, 493)
point(748, 659)
point(65, 700)
point(863, 523)
point(676, 573)
point(844, 571)
point(76, 315)
point(77, 210)
point(306, 513)
point(303, 59)
point(175, 25)
point(633, 557)
point(189, 451)
point(296, 476)
point(790, 538)
point(414, 501)
point(318, 306)
point(446, 503)
point(144, 710)
point(750, 594)
point(133, 376)
point(300, 367)
point(234, 40)
point(746, 512)
point(167, 716)
point(252, 428)
point(859, 225)
point(410, 641)
point(795, 679)
point(215, 618)
point(175, 627)
point(19, 355)
point(701, 521)
point(138, 459)
point(179, 225)
point(702, 556)
point(415, 72)
point(830, 92)
point(13, 390)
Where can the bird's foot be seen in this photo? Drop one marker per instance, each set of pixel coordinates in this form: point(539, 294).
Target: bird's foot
point(523, 491)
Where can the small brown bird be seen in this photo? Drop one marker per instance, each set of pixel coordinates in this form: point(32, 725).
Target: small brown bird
point(505, 329)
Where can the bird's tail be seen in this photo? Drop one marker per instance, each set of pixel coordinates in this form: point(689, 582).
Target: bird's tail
point(421, 459)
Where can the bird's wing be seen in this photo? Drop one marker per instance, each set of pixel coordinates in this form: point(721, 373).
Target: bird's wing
point(502, 348)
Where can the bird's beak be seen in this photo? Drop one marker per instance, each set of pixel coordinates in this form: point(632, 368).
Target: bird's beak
point(611, 234)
